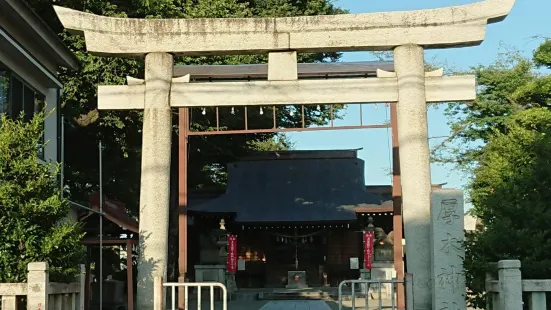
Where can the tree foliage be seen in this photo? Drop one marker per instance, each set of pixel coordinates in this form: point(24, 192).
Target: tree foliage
point(503, 140)
point(33, 226)
point(120, 131)
point(511, 193)
point(511, 84)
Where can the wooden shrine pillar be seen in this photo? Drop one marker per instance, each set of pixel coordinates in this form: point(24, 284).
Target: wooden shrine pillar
point(129, 274)
point(182, 200)
point(397, 204)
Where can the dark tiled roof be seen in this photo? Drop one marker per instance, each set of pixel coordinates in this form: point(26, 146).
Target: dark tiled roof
point(294, 190)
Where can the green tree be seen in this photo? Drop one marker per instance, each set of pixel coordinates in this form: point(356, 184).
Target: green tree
point(510, 84)
point(33, 217)
point(501, 141)
point(511, 194)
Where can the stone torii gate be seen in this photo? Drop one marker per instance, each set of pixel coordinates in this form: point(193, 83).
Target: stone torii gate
point(406, 33)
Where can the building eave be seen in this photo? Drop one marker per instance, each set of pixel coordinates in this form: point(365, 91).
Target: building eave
point(9, 43)
point(42, 33)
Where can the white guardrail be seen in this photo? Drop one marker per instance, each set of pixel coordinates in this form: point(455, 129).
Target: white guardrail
point(175, 287)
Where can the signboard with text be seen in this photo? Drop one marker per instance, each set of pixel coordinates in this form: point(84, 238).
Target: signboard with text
point(369, 237)
point(232, 253)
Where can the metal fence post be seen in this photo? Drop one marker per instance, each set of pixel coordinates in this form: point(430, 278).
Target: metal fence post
point(199, 285)
point(340, 294)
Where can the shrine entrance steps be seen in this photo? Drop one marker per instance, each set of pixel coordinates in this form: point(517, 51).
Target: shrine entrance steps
point(320, 293)
point(286, 294)
point(295, 294)
point(296, 305)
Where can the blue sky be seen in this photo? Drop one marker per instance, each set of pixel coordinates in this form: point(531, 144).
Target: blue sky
point(528, 20)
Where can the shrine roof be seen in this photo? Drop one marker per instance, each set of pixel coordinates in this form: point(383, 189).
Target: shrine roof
point(295, 189)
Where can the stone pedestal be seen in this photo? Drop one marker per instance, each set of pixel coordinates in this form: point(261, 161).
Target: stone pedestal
point(210, 256)
point(448, 277)
point(210, 273)
point(296, 280)
point(383, 271)
point(365, 274)
point(231, 285)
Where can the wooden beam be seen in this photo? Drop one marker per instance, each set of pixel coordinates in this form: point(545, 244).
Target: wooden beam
point(183, 121)
point(304, 70)
point(397, 215)
point(374, 210)
point(129, 274)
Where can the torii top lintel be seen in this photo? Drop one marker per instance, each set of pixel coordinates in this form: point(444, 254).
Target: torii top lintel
point(463, 25)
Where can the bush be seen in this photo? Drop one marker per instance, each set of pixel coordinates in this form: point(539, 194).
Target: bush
point(33, 216)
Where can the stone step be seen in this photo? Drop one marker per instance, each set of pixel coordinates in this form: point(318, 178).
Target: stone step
point(294, 296)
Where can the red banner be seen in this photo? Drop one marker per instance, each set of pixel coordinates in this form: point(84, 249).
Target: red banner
point(232, 253)
point(369, 237)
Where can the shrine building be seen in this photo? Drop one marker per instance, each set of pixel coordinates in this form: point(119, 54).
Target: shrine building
point(292, 211)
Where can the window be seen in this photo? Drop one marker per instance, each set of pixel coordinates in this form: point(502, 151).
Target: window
point(16, 97)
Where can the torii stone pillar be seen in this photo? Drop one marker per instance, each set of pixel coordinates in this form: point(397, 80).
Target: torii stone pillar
point(414, 158)
point(155, 180)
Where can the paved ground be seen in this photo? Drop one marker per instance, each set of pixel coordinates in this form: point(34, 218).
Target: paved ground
point(296, 305)
point(233, 305)
point(289, 304)
point(373, 304)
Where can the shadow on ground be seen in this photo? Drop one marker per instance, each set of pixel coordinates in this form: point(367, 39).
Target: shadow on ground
point(233, 305)
point(258, 304)
point(373, 304)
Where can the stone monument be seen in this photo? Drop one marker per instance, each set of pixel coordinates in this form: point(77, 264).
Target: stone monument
point(447, 251)
point(406, 33)
point(212, 256)
point(383, 261)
